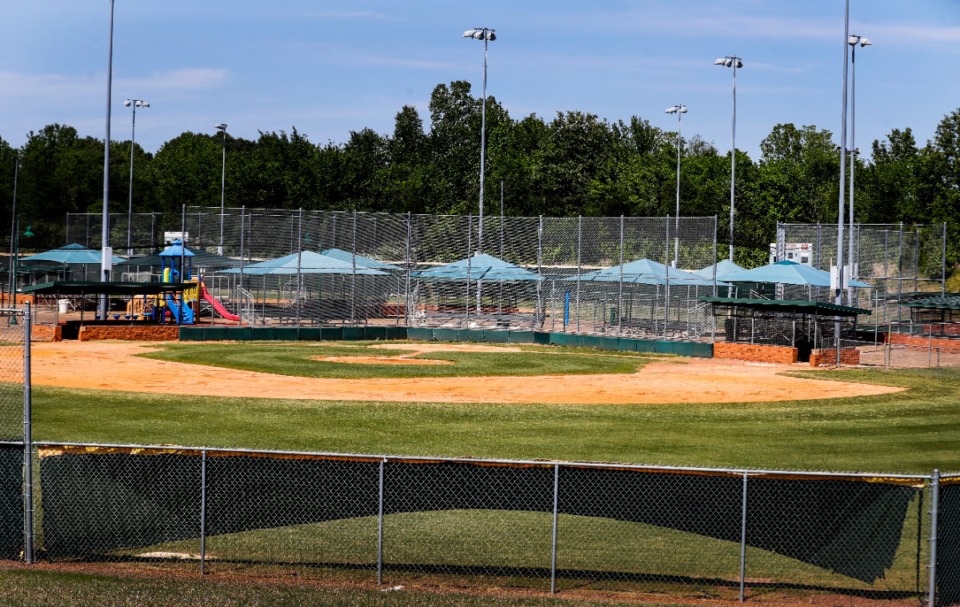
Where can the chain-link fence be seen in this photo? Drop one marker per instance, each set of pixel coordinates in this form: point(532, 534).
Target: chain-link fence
point(533, 524)
point(530, 273)
point(15, 493)
point(897, 260)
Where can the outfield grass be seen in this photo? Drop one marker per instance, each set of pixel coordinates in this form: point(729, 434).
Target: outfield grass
point(909, 432)
point(299, 360)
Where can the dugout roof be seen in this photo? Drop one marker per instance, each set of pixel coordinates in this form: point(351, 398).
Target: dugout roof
point(70, 287)
point(818, 308)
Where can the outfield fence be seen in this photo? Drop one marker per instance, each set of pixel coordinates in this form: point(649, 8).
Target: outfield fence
point(542, 525)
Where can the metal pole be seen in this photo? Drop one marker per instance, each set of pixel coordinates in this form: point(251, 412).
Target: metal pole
point(13, 233)
point(299, 259)
point(540, 313)
point(853, 161)
point(620, 292)
point(353, 275)
point(133, 134)
point(743, 537)
point(106, 265)
point(28, 537)
point(380, 526)
point(733, 157)
point(556, 509)
point(223, 187)
point(243, 212)
point(838, 292)
point(934, 519)
point(203, 511)
point(676, 236)
point(579, 268)
point(406, 303)
point(483, 140)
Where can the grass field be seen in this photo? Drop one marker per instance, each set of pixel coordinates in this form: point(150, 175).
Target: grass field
point(297, 360)
point(909, 432)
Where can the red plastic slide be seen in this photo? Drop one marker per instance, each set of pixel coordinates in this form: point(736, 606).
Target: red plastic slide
point(213, 301)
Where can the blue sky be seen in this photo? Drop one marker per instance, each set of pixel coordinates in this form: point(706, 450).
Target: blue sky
point(328, 68)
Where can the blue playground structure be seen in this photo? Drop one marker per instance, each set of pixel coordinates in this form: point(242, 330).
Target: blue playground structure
point(177, 266)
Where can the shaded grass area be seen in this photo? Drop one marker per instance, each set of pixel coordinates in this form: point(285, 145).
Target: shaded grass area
point(601, 552)
point(55, 589)
point(909, 432)
point(299, 359)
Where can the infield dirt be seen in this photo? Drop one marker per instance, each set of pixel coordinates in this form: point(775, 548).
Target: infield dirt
point(115, 366)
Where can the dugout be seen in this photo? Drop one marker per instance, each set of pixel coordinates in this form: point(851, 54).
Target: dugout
point(806, 326)
point(73, 304)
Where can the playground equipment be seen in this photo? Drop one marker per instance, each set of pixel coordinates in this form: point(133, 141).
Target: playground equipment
point(171, 257)
point(217, 305)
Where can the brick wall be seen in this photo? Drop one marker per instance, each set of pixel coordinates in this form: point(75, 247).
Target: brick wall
point(46, 333)
point(130, 333)
point(756, 353)
point(946, 345)
point(828, 357)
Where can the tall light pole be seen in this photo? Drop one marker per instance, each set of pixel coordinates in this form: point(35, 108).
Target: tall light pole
point(841, 279)
point(736, 63)
point(853, 40)
point(487, 35)
point(13, 231)
point(679, 110)
point(134, 104)
point(222, 127)
point(106, 258)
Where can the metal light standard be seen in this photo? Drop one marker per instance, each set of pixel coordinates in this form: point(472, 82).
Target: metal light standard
point(222, 127)
point(853, 40)
point(841, 279)
point(13, 229)
point(134, 104)
point(679, 110)
point(487, 35)
point(106, 259)
point(736, 63)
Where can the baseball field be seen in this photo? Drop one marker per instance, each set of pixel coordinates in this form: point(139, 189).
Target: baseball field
point(455, 400)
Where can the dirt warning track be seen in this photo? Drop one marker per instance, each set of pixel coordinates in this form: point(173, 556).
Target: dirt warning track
point(115, 366)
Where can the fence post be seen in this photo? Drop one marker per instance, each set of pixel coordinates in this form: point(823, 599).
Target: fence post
point(553, 550)
point(27, 438)
point(406, 274)
point(743, 537)
point(620, 290)
point(934, 516)
point(383, 463)
point(579, 267)
point(541, 314)
point(203, 511)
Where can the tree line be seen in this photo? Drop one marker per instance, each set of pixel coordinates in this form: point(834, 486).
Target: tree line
point(574, 164)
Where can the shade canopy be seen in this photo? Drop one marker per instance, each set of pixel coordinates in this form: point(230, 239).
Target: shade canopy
point(200, 260)
point(647, 272)
point(479, 267)
point(72, 254)
point(305, 262)
point(176, 250)
point(789, 272)
point(724, 268)
point(361, 261)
